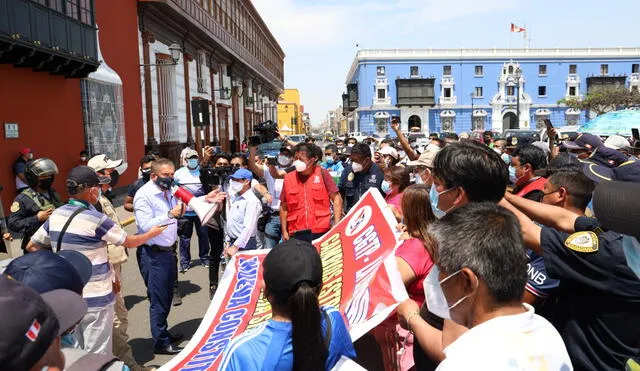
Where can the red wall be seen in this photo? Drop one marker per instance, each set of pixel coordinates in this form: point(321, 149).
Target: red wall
point(118, 24)
point(48, 111)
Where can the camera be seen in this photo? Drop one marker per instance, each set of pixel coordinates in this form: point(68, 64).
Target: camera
point(267, 132)
point(212, 177)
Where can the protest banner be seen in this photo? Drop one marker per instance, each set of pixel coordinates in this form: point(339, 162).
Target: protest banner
point(360, 277)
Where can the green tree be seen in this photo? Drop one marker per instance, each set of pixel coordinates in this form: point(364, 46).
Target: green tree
point(604, 100)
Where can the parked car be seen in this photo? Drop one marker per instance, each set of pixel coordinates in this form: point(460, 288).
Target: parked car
point(522, 133)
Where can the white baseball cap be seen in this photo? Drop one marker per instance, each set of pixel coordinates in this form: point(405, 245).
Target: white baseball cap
point(388, 151)
point(101, 162)
point(616, 142)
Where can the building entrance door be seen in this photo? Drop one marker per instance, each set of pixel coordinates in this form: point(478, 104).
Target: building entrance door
point(510, 121)
point(415, 122)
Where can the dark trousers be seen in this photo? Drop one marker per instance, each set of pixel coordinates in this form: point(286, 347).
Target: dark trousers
point(185, 231)
point(272, 232)
point(159, 272)
point(306, 235)
point(216, 240)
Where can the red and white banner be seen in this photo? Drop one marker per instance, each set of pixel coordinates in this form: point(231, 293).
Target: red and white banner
point(360, 277)
point(515, 28)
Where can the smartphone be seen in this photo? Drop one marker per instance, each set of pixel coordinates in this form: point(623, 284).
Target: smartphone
point(548, 124)
point(272, 161)
point(254, 141)
point(166, 224)
point(635, 134)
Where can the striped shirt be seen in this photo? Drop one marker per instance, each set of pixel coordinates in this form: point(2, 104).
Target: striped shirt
point(88, 233)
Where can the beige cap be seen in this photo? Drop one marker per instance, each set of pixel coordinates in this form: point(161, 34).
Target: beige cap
point(190, 153)
point(101, 162)
point(388, 151)
point(425, 159)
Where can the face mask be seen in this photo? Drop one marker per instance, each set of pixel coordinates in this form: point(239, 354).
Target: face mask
point(350, 145)
point(236, 186)
point(385, 186)
point(284, 160)
point(330, 160)
point(434, 296)
point(146, 174)
point(401, 154)
point(631, 248)
point(434, 195)
point(164, 183)
point(300, 166)
point(45, 183)
point(506, 158)
point(497, 150)
point(83, 159)
point(418, 179)
point(115, 176)
point(356, 167)
point(30, 156)
point(192, 163)
point(512, 175)
point(432, 148)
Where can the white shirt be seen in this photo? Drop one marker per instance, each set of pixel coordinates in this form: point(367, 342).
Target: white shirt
point(152, 208)
point(520, 342)
point(274, 186)
point(189, 179)
point(242, 218)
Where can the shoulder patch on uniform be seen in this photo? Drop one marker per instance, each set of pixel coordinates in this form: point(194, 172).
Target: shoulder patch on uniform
point(15, 206)
point(583, 242)
point(350, 177)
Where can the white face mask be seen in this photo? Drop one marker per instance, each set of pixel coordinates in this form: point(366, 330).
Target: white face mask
point(434, 296)
point(236, 187)
point(432, 148)
point(284, 160)
point(497, 150)
point(356, 167)
point(300, 166)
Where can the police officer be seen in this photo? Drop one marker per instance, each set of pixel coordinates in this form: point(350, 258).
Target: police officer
point(597, 311)
point(359, 176)
point(34, 204)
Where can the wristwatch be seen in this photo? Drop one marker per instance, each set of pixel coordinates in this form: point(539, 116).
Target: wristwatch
point(170, 215)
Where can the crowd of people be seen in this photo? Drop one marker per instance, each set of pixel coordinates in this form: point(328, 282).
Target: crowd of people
point(516, 254)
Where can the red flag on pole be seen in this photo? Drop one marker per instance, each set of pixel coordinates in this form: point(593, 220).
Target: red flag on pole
point(515, 28)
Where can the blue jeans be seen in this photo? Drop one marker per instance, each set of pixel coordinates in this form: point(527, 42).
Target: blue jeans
point(186, 231)
point(272, 232)
point(158, 269)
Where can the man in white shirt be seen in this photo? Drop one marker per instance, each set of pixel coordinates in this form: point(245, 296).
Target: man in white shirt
point(243, 210)
point(477, 282)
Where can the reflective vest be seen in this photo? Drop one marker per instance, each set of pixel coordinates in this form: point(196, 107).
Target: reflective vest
point(534, 185)
point(308, 205)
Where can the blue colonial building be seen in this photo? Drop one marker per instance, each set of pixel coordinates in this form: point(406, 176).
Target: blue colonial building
point(460, 90)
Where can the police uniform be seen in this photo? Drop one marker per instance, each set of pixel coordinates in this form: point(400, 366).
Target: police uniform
point(354, 185)
point(598, 303)
point(25, 208)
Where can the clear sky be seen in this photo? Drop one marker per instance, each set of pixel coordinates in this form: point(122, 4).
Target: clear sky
point(319, 37)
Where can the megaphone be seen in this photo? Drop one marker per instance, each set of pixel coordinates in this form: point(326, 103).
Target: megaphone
point(203, 209)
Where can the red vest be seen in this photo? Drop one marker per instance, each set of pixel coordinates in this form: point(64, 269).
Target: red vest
point(535, 185)
point(308, 205)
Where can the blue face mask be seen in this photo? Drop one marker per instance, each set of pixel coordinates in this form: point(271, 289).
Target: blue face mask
point(631, 247)
point(434, 195)
point(330, 160)
point(192, 163)
point(386, 187)
point(512, 175)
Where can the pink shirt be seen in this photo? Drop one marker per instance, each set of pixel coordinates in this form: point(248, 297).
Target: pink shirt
point(414, 253)
point(394, 199)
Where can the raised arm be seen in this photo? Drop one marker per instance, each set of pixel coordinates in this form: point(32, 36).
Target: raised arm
point(253, 166)
point(549, 215)
point(411, 154)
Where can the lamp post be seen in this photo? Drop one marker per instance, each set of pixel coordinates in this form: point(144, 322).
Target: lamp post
point(174, 50)
point(518, 76)
point(471, 95)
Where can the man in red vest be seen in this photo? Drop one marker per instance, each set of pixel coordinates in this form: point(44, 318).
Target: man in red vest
point(306, 197)
point(525, 160)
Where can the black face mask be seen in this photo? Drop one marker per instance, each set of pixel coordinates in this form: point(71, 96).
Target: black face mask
point(115, 176)
point(164, 182)
point(45, 183)
point(146, 175)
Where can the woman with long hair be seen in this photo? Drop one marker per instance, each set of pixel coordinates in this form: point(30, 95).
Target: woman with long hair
point(415, 259)
point(300, 335)
point(396, 179)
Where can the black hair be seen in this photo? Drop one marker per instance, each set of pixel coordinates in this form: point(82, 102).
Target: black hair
point(241, 156)
point(486, 239)
point(220, 155)
point(146, 159)
point(331, 147)
point(387, 140)
point(452, 136)
point(339, 140)
point(84, 152)
point(310, 149)
point(285, 150)
point(578, 186)
point(531, 155)
point(476, 168)
point(399, 175)
point(361, 149)
point(348, 139)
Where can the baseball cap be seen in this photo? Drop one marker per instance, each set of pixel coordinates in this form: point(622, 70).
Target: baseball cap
point(190, 153)
point(101, 162)
point(45, 270)
point(616, 206)
point(30, 322)
point(390, 151)
point(425, 159)
point(242, 174)
point(514, 141)
point(584, 141)
point(606, 156)
point(616, 142)
point(291, 263)
point(84, 177)
point(626, 172)
point(25, 150)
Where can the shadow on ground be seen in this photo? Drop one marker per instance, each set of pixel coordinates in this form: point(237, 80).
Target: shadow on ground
point(131, 300)
point(143, 348)
point(186, 287)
